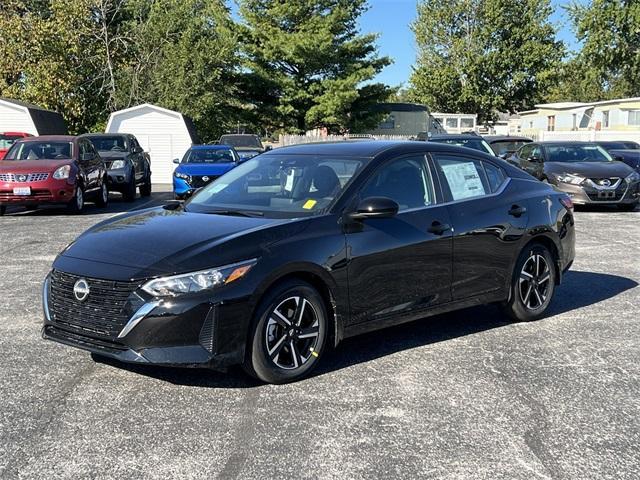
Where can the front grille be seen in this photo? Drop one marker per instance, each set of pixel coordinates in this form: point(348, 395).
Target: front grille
point(607, 195)
point(18, 178)
point(83, 341)
point(43, 195)
point(612, 181)
point(198, 182)
point(105, 311)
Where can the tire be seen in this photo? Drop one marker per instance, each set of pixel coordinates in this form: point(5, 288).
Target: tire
point(286, 346)
point(145, 188)
point(3, 210)
point(533, 284)
point(129, 192)
point(103, 195)
point(627, 207)
point(76, 205)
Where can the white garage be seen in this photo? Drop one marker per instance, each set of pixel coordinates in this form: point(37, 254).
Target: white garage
point(17, 116)
point(163, 133)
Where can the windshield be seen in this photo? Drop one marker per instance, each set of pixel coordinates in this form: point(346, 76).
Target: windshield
point(241, 141)
point(507, 146)
point(473, 143)
point(219, 155)
point(278, 186)
point(40, 151)
point(109, 144)
point(7, 140)
point(577, 153)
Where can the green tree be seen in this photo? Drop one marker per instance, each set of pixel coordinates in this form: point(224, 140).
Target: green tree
point(484, 56)
point(308, 66)
point(610, 34)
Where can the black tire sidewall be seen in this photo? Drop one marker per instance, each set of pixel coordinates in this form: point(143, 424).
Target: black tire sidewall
point(73, 204)
point(258, 362)
point(515, 308)
point(99, 200)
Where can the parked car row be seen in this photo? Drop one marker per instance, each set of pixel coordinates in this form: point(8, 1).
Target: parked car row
point(69, 170)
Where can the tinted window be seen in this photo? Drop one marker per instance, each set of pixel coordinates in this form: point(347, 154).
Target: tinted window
point(525, 152)
point(40, 151)
point(241, 141)
point(495, 176)
point(473, 143)
point(506, 146)
point(109, 144)
point(577, 153)
point(209, 155)
point(464, 177)
point(278, 185)
point(407, 181)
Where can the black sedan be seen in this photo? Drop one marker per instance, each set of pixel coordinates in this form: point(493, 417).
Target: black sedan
point(286, 255)
point(585, 171)
point(630, 157)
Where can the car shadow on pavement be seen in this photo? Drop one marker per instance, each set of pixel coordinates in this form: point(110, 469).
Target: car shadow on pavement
point(579, 289)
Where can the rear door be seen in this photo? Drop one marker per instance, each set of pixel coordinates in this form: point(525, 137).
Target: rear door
point(90, 163)
point(489, 218)
point(137, 158)
point(400, 265)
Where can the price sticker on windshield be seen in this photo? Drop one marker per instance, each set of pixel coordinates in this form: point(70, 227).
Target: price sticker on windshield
point(309, 204)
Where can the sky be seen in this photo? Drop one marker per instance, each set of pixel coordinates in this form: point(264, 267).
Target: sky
point(392, 19)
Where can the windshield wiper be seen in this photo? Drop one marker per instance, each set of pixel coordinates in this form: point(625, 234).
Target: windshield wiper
point(238, 213)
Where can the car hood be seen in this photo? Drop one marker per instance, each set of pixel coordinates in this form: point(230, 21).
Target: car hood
point(31, 166)
point(590, 169)
point(215, 169)
point(161, 241)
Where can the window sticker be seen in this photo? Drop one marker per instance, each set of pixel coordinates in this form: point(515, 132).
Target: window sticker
point(463, 179)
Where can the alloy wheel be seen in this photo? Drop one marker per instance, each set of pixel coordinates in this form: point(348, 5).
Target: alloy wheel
point(534, 281)
point(292, 333)
point(105, 194)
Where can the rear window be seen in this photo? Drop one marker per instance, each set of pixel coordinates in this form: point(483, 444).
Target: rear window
point(109, 144)
point(241, 141)
point(507, 146)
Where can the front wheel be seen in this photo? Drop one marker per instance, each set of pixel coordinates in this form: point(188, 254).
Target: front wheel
point(532, 285)
point(129, 192)
point(76, 205)
point(145, 188)
point(103, 195)
point(289, 334)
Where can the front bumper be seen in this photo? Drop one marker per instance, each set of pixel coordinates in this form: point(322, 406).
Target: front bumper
point(118, 178)
point(49, 191)
point(200, 330)
point(181, 188)
point(624, 193)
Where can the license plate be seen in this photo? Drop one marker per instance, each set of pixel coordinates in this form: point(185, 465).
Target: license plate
point(22, 191)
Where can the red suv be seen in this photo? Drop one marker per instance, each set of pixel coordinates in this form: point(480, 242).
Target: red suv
point(53, 169)
point(9, 138)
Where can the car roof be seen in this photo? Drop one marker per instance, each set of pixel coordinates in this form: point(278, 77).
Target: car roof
point(506, 138)
point(566, 143)
point(105, 135)
point(456, 136)
point(365, 148)
point(239, 135)
point(50, 138)
point(211, 147)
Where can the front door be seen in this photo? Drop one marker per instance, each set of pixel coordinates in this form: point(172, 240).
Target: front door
point(400, 265)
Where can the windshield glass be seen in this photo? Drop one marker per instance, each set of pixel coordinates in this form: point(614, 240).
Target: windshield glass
point(7, 140)
point(507, 146)
point(474, 143)
point(109, 144)
point(219, 155)
point(577, 153)
point(278, 186)
point(40, 151)
point(241, 141)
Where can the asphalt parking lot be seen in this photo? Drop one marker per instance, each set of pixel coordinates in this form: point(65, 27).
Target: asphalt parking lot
point(465, 395)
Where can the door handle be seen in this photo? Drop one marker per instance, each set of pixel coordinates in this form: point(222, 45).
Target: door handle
point(517, 211)
point(438, 228)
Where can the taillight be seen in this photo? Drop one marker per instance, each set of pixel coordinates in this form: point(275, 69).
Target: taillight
point(567, 203)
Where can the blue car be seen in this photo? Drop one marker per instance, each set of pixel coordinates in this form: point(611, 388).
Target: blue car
point(201, 165)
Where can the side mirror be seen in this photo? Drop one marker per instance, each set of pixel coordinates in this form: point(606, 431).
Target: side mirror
point(375, 207)
point(535, 159)
point(176, 160)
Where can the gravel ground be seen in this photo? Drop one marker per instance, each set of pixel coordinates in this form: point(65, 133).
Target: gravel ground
point(464, 395)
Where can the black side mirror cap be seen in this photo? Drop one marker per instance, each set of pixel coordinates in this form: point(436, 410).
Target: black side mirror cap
point(535, 159)
point(375, 207)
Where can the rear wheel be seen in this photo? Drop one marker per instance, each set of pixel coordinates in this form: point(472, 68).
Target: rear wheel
point(533, 284)
point(289, 333)
point(76, 205)
point(103, 195)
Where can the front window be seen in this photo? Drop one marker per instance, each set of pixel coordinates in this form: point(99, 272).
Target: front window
point(286, 186)
point(577, 153)
point(241, 141)
point(40, 151)
point(209, 156)
point(109, 144)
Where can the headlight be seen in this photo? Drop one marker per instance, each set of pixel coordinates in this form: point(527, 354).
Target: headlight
point(117, 164)
point(572, 179)
point(633, 177)
point(183, 176)
point(62, 173)
point(198, 281)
